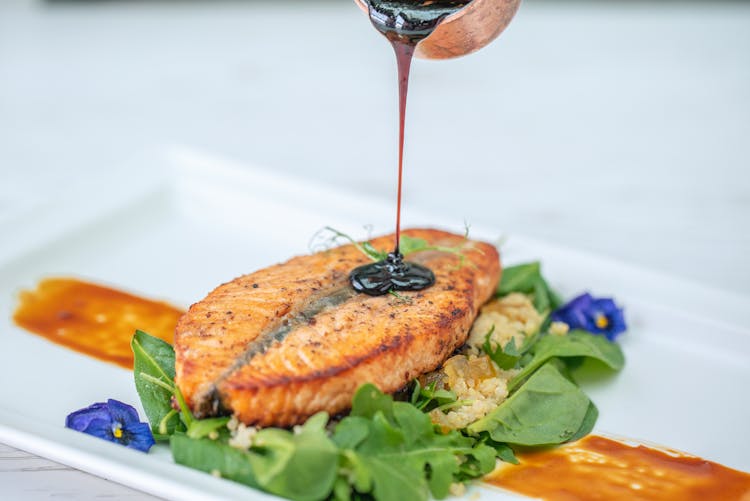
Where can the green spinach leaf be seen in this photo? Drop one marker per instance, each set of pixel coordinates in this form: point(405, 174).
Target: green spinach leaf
point(519, 278)
point(589, 420)
point(573, 345)
point(153, 371)
point(548, 409)
point(527, 279)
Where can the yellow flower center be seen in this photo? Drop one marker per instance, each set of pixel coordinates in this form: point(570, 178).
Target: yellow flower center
point(117, 433)
point(601, 321)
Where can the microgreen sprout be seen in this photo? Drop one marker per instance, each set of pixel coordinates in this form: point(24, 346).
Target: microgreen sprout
point(399, 297)
point(327, 237)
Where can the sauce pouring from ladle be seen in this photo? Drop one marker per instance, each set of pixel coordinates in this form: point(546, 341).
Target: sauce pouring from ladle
point(433, 29)
point(465, 31)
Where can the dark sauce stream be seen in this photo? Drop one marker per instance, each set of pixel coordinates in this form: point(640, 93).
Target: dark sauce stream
point(404, 24)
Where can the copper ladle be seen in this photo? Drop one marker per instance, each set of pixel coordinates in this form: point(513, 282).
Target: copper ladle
point(467, 30)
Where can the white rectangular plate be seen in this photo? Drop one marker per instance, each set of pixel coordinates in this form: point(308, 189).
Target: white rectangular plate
point(201, 221)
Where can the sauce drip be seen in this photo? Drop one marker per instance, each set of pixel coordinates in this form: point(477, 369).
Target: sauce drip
point(92, 319)
point(597, 468)
point(404, 24)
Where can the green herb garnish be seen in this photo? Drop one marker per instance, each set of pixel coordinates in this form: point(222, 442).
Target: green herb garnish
point(407, 245)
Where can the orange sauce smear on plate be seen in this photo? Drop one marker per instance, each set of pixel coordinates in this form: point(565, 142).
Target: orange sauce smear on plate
point(598, 468)
point(93, 319)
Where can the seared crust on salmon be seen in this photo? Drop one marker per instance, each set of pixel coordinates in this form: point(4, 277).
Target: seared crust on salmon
point(276, 346)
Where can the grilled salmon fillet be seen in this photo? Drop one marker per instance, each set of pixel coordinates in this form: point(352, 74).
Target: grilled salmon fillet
point(276, 346)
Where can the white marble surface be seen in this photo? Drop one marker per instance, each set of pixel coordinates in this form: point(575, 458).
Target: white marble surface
point(24, 476)
point(622, 128)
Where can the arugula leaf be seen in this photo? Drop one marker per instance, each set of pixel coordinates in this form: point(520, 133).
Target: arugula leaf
point(527, 279)
point(369, 400)
point(213, 456)
point(548, 409)
point(428, 398)
point(300, 466)
point(505, 357)
point(503, 451)
point(153, 371)
point(575, 344)
point(307, 467)
point(392, 450)
point(203, 427)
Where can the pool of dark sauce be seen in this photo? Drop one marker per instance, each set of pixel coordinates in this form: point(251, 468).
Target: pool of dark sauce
point(404, 24)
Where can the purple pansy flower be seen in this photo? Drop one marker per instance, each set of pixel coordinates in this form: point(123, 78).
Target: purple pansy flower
point(113, 421)
point(595, 315)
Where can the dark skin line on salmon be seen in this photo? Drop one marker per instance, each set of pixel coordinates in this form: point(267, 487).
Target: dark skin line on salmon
point(209, 404)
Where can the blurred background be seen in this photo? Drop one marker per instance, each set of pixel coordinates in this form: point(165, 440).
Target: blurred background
point(622, 127)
